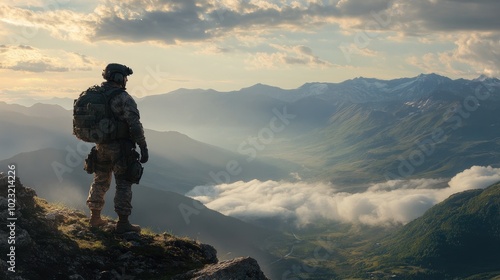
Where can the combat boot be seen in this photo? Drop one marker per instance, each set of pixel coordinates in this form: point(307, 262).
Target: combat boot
point(95, 219)
point(123, 225)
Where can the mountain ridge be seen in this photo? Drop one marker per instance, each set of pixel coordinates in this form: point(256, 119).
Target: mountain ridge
point(67, 102)
point(55, 242)
point(330, 126)
point(458, 237)
point(154, 206)
point(351, 133)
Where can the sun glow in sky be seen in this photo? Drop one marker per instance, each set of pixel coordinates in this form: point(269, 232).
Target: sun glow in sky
point(58, 48)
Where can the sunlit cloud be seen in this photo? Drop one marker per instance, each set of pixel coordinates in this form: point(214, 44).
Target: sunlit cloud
point(141, 20)
point(479, 50)
point(474, 52)
point(60, 23)
point(303, 203)
point(281, 36)
point(287, 56)
point(213, 49)
point(30, 59)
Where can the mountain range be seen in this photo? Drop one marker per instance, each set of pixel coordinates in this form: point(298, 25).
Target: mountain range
point(351, 134)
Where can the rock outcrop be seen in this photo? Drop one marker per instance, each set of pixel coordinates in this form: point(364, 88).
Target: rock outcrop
point(239, 268)
point(50, 241)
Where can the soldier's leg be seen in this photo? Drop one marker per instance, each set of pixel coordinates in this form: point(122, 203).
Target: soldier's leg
point(123, 206)
point(95, 200)
point(123, 201)
point(123, 197)
point(99, 187)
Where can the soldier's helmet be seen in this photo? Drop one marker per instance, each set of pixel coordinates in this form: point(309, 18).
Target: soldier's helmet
point(117, 73)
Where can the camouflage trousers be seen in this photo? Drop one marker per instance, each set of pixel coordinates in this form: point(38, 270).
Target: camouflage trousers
point(110, 161)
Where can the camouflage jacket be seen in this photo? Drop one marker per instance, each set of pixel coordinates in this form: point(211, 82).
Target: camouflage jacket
point(125, 109)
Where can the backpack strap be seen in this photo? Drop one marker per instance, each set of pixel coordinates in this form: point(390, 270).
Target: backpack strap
point(122, 129)
point(108, 96)
point(114, 92)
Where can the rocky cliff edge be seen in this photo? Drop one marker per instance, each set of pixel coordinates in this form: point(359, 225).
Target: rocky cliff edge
point(41, 240)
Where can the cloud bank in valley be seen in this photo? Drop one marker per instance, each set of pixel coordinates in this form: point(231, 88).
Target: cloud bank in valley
point(388, 203)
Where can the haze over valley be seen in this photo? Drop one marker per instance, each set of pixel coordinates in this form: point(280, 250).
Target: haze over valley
point(263, 163)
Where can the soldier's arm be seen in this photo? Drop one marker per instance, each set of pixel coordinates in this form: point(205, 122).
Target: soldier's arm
point(132, 117)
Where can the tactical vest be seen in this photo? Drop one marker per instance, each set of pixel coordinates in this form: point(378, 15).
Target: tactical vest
point(93, 119)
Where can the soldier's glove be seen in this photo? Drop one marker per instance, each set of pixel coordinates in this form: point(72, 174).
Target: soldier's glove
point(144, 155)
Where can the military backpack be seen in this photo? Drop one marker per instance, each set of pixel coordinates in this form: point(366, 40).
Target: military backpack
point(93, 119)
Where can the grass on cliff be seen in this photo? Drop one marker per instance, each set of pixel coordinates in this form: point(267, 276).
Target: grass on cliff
point(163, 255)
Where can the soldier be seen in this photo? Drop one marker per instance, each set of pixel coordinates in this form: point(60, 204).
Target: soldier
point(111, 158)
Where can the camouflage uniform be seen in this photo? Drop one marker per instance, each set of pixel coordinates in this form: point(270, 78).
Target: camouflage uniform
point(111, 157)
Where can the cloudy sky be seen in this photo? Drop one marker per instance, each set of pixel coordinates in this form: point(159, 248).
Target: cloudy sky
point(57, 48)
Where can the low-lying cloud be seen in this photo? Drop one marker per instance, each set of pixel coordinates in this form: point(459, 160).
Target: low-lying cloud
point(388, 203)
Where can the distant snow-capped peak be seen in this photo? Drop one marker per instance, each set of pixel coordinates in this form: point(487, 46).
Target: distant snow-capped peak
point(311, 89)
